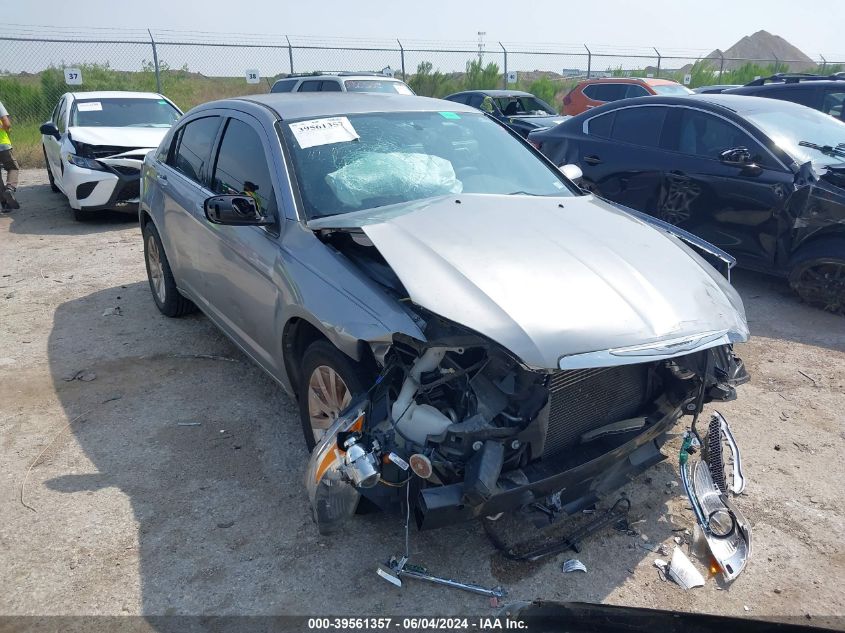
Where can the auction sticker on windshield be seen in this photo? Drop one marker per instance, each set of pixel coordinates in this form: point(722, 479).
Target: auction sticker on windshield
point(323, 131)
point(89, 106)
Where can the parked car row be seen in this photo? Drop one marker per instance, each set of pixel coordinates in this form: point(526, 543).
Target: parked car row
point(468, 322)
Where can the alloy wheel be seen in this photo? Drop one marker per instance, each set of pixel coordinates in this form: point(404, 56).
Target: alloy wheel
point(328, 395)
point(156, 269)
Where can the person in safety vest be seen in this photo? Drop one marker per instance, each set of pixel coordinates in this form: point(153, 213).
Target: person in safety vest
point(7, 162)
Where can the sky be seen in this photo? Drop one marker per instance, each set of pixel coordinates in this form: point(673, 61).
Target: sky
point(672, 24)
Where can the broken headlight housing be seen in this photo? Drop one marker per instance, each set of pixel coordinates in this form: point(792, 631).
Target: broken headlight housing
point(339, 462)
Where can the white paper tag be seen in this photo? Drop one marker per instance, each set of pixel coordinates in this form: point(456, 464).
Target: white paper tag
point(323, 131)
point(89, 106)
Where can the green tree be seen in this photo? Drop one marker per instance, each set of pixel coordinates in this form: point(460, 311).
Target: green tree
point(480, 77)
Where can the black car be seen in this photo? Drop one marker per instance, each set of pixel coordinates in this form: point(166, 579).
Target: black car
point(761, 178)
point(521, 111)
point(825, 93)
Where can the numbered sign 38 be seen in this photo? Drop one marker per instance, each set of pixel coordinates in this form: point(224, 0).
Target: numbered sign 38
point(73, 77)
point(253, 76)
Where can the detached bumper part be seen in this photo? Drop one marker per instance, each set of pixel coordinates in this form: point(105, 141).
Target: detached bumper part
point(727, 532)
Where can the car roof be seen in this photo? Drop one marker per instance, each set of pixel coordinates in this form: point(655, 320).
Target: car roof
point(653, 81)
point(373, 76)
point(800, 85)
point(320, 104)
point(116, 94)
point(497, 93)
point(737, 104)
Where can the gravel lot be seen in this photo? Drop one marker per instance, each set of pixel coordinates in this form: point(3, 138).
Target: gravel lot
point(136, 509)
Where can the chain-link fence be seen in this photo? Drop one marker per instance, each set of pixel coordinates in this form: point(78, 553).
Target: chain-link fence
point(194, 67)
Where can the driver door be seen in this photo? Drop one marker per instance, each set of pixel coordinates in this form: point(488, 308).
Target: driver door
point(734, 207)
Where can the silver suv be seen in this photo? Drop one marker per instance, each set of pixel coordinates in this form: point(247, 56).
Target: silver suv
point(342, 82)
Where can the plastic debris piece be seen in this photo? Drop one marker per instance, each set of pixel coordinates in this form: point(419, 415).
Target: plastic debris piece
point(573, 564)
point(683, 572)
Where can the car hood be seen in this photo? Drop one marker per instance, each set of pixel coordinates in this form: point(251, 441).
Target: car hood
point(540, 120)
point(560, 282)
point(119, 136)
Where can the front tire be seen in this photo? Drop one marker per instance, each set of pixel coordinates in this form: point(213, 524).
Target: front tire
point(329, 381)
point(167, 297)
point(817, 274)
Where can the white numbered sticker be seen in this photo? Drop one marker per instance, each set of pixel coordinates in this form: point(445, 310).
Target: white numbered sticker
point(89, 106)
point(253, 76)
point(73, 76)
point(316, 132)
point(687, 79)
point(512, 77)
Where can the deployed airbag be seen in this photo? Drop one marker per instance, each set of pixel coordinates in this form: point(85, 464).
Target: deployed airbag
point(395, 176)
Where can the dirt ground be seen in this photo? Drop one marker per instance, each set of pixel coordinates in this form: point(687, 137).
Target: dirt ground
point(163, 471)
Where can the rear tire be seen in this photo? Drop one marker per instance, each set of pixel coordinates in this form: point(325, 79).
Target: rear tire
point(817, 274)
point(318, 389)
point(167, 297)
point(52, 180)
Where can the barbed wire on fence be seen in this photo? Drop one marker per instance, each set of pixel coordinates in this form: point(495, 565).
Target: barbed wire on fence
point(192, 67)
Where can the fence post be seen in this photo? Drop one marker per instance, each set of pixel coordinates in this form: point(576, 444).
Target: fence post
point(290, 54)
point(721, 65)
point(824, 64)
point(777, 64)
point(505, 75)
point(402, 55)
point(155, 62)
point(589, 61)
point(659, 59)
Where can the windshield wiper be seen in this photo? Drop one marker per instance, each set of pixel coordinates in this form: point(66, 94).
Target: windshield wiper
point(830, 150)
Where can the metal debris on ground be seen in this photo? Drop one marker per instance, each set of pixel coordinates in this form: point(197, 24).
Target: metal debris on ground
point(573, 564)
point(83, 375)
point(113, 312)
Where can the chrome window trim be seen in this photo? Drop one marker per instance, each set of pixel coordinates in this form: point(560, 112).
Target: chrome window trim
point(585, 130)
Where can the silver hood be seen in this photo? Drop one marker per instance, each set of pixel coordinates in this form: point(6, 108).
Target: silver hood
point(560, 282)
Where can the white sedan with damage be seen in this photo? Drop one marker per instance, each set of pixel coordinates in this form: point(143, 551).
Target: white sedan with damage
point(95, 142)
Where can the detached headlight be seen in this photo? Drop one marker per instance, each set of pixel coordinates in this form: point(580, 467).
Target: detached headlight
point(87, 163)
point(333, 498)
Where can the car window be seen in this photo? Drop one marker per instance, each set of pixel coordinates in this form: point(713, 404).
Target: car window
point(605, 92)
point(460, 98)
point(55, 116)
point(833, 104)
point(309, 86)
point(601, 125)
point(330, 86)
point(705, 135)
point(63, 115)
point(633, 90)
point(671, 89)
point(193, 148)
point(376, 85)
point(512, 106)
point(639, 126)
point(804, 96)
point(123, 112)
point(365, 161)
point(241, 166)
point(284, 85)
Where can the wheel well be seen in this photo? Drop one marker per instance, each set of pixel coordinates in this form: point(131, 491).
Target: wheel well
point(143, 218)
point(299, 334)
point(819, 244)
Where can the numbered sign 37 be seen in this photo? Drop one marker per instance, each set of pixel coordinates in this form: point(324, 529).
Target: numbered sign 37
point(73, 77)
point(253, 76)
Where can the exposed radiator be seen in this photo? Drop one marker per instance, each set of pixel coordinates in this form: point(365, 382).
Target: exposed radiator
point(585, 399)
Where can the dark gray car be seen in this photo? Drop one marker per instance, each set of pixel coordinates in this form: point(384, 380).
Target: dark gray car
point(478, 329)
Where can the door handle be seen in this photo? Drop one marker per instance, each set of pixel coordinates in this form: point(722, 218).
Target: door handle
point(162, 179)
point(592, 160)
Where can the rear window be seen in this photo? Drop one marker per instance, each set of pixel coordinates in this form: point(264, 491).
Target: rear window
point(671, 89)
point(606, 92)
point(377, 85)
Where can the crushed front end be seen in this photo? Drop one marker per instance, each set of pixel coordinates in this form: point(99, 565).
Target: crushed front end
point(465, 430)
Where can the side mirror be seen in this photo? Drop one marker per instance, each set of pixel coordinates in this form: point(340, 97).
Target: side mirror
point(237, 210)
point(573, 172)
point(741, 157)
point(50, 129)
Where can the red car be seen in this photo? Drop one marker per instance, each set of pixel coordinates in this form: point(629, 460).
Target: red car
point(595, 92)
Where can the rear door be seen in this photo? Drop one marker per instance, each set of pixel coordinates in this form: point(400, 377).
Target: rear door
point(241, 293)
point(622, 155)
point(735, 208)
point(184, 184)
